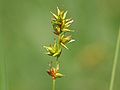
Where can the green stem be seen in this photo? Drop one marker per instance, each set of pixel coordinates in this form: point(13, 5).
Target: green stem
point(3, 85)
point(115, 62)
point(53, 86)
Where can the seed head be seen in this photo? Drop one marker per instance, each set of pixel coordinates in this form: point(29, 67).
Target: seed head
point(53, 50)
point(60, 23)
point(65, 39)
point(54, 72)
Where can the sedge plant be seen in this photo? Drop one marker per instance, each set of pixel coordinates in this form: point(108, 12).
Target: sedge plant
point(61, 26)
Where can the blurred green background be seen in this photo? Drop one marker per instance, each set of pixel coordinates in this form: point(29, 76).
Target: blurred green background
point(25, 27)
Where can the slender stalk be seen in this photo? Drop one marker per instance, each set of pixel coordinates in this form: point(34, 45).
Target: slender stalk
point(3, 82)
point(115, 62)
point(53, 86)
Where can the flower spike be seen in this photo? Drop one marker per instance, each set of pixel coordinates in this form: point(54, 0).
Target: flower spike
point(61, 25)
point(53, 50)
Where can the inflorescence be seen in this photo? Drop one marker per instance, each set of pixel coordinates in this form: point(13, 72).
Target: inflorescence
point(61, 26)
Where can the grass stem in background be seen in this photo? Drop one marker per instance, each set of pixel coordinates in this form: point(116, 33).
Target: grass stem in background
point(115, 62)
point(3, 73)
